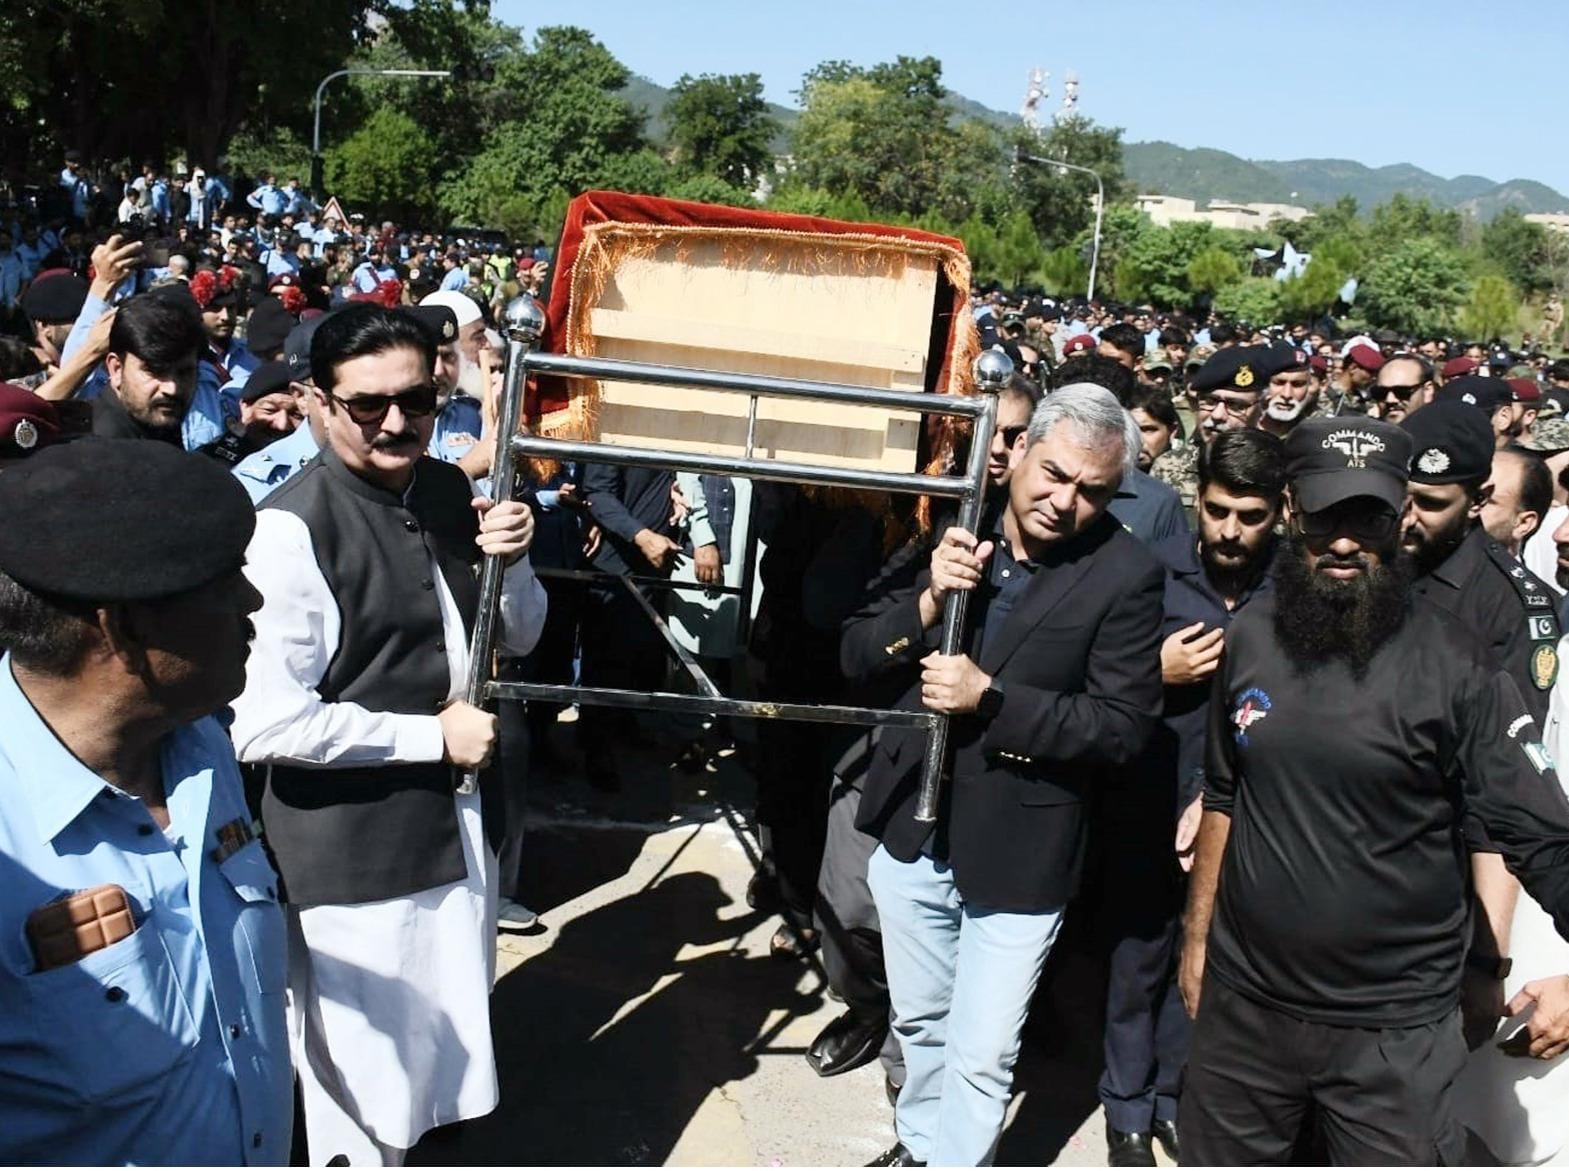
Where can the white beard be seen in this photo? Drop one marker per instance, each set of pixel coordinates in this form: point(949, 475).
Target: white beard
point(1285, 410)
point(471, 379)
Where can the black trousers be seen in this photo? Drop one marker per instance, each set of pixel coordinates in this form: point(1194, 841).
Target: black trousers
point(1147, 1029)
point(512, 758)
point(1380, 1096)
point(621, 649)
point(795, 765)
point(551, 660)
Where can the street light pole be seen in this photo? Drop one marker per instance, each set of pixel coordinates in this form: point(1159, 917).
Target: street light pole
point(1100, 207)
point(317, 186)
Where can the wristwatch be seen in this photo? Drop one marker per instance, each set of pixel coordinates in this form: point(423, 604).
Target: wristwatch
point(1494, 967)
point(990, 703)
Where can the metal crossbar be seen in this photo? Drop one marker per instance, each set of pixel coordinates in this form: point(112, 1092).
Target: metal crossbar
point(524, 323)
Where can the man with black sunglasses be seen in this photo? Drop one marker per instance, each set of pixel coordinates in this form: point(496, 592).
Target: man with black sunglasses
point(1359, 740)
point(1405, 384)
point(366, 562)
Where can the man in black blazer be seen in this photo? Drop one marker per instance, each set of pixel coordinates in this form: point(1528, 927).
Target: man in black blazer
point(621, 648)
point(1060, 683)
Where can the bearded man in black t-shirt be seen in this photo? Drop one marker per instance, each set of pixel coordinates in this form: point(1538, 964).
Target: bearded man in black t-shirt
point(1359, 743)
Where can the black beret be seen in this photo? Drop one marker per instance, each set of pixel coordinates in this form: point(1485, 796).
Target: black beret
point(268, 378)
point(1476, 390)
point(55, 298)
point(438, 320)
point(1284, 356)
point(1233, 368)
point(93, 521)
point(269, 325)
point(1453, 443)
point(1333, 459)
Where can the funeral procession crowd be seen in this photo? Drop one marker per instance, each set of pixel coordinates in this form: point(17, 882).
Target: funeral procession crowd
point(1263, 646)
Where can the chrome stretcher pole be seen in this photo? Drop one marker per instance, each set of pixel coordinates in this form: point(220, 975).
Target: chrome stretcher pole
point(992, 371)
point(524, 323)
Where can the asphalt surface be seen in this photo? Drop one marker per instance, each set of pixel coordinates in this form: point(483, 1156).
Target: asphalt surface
point(644, 1022)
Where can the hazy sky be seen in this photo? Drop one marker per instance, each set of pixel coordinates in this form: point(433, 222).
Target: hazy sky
point(1454, 87)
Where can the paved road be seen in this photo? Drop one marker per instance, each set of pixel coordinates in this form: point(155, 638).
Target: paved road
point(645, 1023)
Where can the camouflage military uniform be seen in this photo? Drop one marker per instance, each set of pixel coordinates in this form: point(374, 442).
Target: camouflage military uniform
point(1044, 345)
point(1549, 435)
point(1179, 467)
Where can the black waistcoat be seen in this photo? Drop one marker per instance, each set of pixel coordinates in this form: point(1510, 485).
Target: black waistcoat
point(363, 833)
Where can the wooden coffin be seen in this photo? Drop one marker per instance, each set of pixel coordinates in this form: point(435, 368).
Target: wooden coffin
point(683, 284)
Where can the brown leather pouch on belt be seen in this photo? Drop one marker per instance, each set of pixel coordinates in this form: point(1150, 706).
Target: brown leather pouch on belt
point(70, 928)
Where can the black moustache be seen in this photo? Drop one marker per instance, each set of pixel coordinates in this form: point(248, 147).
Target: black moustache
point(381, 442)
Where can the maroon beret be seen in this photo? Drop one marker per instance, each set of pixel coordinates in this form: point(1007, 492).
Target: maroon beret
point(1366, 357)
point(27, 422)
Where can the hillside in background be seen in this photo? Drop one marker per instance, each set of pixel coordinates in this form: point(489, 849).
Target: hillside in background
point(1159, 168)
point(652, 100)
point(1204, 174)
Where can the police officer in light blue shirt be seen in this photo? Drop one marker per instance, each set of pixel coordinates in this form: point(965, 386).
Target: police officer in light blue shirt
point(457, 276)
point(268, 198)
point(159, 198)
point(157, 1035)
point(76, 186)
point(455, 323)
point(262, 471)
point(296, 201)
point(460, 418)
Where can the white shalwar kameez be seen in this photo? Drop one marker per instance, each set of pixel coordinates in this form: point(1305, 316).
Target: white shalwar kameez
point(389, 1000)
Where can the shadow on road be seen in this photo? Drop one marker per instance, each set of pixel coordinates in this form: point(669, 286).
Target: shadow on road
point(1060, 1063)
point(607, 1044)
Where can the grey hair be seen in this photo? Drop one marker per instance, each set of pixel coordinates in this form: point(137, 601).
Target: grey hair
point(1097, 417)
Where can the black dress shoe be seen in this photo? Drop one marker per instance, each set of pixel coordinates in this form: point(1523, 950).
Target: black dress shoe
point(846, 1043)
point(897, 1155)
point(1166, 1135)
point(762, 891)
point(1129, 1149)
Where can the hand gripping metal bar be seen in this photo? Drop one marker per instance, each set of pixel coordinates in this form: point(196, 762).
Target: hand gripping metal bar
point(524, 322)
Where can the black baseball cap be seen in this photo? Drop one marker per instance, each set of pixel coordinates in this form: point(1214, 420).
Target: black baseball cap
point(1333, 459)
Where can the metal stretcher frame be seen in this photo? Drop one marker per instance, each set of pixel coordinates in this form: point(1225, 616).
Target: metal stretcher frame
point(524, 322)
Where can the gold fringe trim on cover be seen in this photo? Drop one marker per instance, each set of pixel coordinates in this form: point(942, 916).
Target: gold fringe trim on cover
point(606, 246)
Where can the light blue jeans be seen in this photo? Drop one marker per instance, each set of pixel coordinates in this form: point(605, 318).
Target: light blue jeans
point(960, 977)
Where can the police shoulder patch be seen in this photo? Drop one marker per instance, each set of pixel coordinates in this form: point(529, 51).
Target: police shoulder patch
point(1544, 666)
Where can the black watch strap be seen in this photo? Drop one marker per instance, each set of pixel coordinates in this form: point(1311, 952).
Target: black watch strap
point(990, 702)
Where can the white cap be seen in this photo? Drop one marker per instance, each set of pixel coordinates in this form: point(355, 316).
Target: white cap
point(463, 307)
